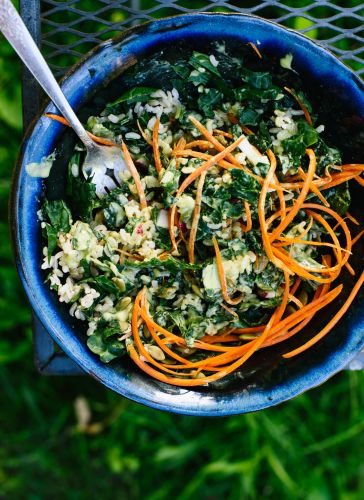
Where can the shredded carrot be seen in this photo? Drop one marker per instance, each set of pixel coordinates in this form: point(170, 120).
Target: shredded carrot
point(298, 269)
point(314, 206)
point(230, 358)
point(165, 254)
point(256, 344)
point(134, 172)
point(181, 144)
point(352, 219)
point(249, 329)
point(295, 286)
point(152, 324)
point(261, 214)
point(199, 143)
point(233, 313)
point(338, 218)
point(171, 226)
point(349, 268)
point(231, 158)
point(146, 137)
point(256, 50)
point(294, 299)
point(340, 177)
point(247, 130)
point(301, 105)
point(160, 343)
point(314, 188)
point(284, 241)
point(246, 228)
point(224, 134)
point(310, 309)
point(282, 307)
point(336, 247)
point(139, 343)
point(195, 219)
point(222, 278)
point(214, 141)
point(175, 338)
point(357, 237)
point(353, 166)
point(157, 157)
point(252, 346)
point(99, 140)
point(229, 354)
point(208, 164)
point(213, 339)
point(205, 156)
point(360, 180)
point(191, 382)
point(284, 333)
point(183, 238)
point(301, 198)
point(332, 322)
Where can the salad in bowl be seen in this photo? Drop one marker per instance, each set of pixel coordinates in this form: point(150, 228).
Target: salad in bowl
point(225, 233)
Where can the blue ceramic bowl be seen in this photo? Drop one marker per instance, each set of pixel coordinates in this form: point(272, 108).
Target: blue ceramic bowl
point(267, 380)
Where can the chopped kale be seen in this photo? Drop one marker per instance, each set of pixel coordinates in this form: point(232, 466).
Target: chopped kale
point(103, 342)
point(58, 214)
point(60, 219)
point(296, 146)
point(170, 263)
point(248, 116)
point(258, 80)
point(198, 60)
point(104, 285)
point(135, 94)
point(339, 198)
point(208, 101)
point(81, 194)
point(244, 186)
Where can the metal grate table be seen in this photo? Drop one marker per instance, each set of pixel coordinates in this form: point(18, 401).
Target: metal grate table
point(66, 29)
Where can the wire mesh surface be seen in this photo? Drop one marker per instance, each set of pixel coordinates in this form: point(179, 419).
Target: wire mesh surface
point(70, 28)
point(66, 29)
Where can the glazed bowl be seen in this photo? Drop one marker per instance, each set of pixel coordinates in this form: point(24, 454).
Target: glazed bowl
point(267, 379)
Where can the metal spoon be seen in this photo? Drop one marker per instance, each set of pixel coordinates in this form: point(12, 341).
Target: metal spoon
point(102, 164)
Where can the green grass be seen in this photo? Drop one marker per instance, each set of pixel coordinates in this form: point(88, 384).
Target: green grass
point(310, 448)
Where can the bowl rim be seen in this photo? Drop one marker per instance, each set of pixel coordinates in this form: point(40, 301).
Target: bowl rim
point(17, 250)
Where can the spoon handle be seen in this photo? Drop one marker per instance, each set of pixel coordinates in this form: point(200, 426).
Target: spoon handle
point(19, 37)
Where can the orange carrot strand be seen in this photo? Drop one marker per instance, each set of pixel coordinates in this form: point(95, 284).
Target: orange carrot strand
point(99, 140)
point(301, 105)
point(195, 219)
point(352, 219)
point(248, 227)
point(134, 172)
point(256, 50)
point(208, 164)
point(157, 157)
point(221, 273)
point(331, 323)
point(357, 237)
